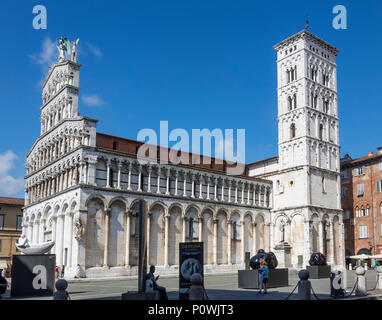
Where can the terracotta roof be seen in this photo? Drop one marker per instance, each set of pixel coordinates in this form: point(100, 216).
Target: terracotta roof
point(365, 158)
point(13, 201)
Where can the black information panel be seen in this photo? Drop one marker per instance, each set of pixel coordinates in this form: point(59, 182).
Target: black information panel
point(33, 275)
point(190, 262)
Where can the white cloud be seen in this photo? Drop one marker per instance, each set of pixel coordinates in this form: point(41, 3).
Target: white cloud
point(92, 100)
point(47, 56)
point(94, 50)
point(9, 186)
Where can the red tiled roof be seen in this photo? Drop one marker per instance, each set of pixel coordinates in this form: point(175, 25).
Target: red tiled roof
point(13, 201)
point(365, 158)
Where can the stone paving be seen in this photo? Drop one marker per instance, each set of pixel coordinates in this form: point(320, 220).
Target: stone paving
point(218, 287)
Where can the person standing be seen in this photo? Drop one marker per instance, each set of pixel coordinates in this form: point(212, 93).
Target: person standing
point(260, 272)
point(62, 271)
point(3, 284)
point(56, 272)
point(265, 276)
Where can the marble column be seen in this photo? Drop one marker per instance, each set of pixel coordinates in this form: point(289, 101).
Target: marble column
point(69, 237)
point(127, 247)
point(200, 225)
point(176, 183)
point(185, 185)
point(158, 180)
point(222, 197)
point(320, 238)
point(106, 238)
point(119, 175)
point(242, 242)
point(183, 229)
point(148, 227)
point(208, 188)
point(54, 222)
point(41, 231)
point(242, 192)
point(215, 244)
point(149, 171)
point(229, 242)
point(139, 178)
point(168, 181)
point(229, 190)
point(254, 238)
point(166, 239)
point(129, 176)
point(192, 185)
point(200, 187)
point(59, 239)
point(215, 189)
point(108, 174)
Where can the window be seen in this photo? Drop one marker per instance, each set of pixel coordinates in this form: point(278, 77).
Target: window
point(360, 190)
point(19, 220)
point(326, 106)
point(380, 231)
point(323, 183)
point(289, 103)
point(295, 101)
point(191, 228)
point(379, 186)
point(320, 132)
point(347, 214)
point(111, 178)
point(380, 166)
point(343, 192)
point(115, 145)
point(357, 211)
point(345, 233)
point(380, 208)
point(359, 171)
point(362, 211)
point(1, 221)
point(292, 130)
point(343, 174)
point(367, 210)
point(363, 232)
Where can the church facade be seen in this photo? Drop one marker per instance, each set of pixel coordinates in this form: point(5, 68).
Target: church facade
point(82, 187)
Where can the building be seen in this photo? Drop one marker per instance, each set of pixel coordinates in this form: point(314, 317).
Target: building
point(306, 173)
point(361, 195)
point(11, 215)
point(82, 187)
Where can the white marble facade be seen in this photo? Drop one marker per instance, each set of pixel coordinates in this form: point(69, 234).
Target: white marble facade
point(85, 197)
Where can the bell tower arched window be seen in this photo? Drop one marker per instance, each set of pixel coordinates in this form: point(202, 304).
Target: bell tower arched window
point(320, 132)
point(292, 131)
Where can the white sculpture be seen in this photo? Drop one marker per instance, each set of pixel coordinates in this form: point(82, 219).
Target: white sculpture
point(26, 247)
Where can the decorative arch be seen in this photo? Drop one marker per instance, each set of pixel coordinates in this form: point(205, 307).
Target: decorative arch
point(96, 196)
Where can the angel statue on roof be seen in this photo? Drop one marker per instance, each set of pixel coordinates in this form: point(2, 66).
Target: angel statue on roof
point(64, 46)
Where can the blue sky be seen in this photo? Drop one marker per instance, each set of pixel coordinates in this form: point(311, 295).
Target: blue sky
point(198, 64)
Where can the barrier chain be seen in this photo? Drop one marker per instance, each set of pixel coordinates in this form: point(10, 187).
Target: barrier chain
point(293, 290)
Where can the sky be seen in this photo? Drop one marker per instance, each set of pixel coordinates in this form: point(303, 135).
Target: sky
point(196, 64)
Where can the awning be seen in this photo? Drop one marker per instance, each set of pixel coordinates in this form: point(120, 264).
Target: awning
point(377, 256)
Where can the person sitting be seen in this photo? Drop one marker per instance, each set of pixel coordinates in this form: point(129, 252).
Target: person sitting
point(162, 290)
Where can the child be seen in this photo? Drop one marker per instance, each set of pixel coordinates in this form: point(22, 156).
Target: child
point(265, 276)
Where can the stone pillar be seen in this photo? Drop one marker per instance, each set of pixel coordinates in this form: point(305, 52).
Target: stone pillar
point(149, 170)
point(119, 175)
point(236, 193)
point(242, 242)
point(54, 222)
point(242, 193)
point(129, 176)
point(254, 195)
point(307, 241)
point(320, 238)
point(200, 221)
point(222, 198)
point(208, 188)
point(127, 248)
point(254, 238)
point(184, 229)
point(185, 185)
point(30, 232)
point(215, 245)
point(331, 244)
point(108, 174)
point(148, 237)
point(200, 187)
point(41, 231)
point(139, 178)
point(59, 239)
point(166, 238)
point(36, 230)
point(229, 190)
point(106, 239)
point(361, 289)
point(176, 183)
point(229, 242)
point(168, 181)
point(248, 195)
point(192, 185)
point(158, 180)
point(215, 189)
point(69, 238)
